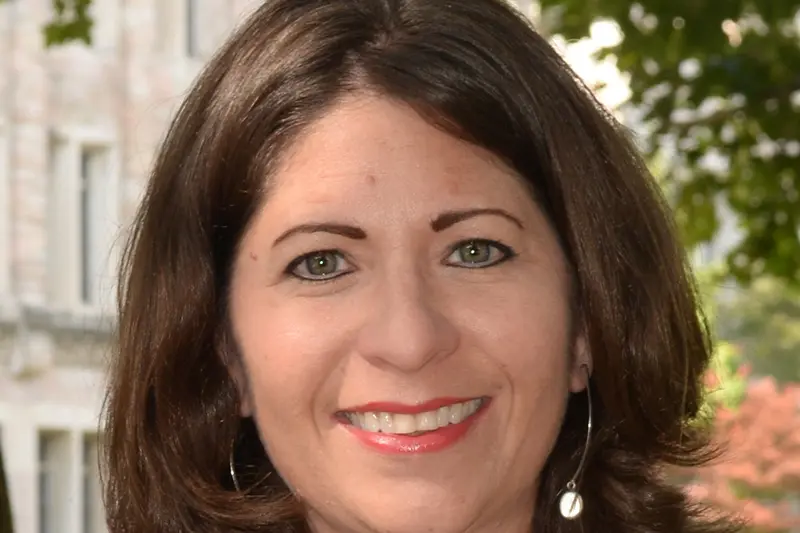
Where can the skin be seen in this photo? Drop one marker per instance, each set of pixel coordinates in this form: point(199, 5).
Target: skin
point(403, 319)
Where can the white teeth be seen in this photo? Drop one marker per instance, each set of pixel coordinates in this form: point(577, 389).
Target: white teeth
point(387, 422)
point(472, 407)
point(456, 413)
point(404, 424)
point(443, 416)
point(372, 422)
point(427, 421)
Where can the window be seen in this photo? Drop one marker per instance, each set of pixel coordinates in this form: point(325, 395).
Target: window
point(94, 162)
point(69, 491)
point(58, 245)
point(178, 28)
point(53, 481)
point(92, 515)
point(83, 222)
point(191, 28)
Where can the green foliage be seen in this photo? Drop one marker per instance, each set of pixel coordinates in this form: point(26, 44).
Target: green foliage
point(714, 81)
point(731, 386)
point(71, 21)
point(725, 385)
point(764, 321)
point(726, 379)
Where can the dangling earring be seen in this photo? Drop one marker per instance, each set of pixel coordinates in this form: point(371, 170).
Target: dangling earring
point(233, 469)
point(570, 504)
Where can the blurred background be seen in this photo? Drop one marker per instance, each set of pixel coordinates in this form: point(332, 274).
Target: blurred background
point(710, 91)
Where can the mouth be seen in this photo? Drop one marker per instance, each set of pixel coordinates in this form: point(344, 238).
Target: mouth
point(395, 428)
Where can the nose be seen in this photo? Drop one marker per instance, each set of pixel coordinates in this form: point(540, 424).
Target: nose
point(408, 327)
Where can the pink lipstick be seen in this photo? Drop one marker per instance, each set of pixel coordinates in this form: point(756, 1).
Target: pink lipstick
point(401, 428)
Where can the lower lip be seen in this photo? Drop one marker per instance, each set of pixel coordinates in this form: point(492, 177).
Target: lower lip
point(432, 441)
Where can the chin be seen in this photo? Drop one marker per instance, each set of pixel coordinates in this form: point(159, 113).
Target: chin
point(427, 518)
point(411, 509)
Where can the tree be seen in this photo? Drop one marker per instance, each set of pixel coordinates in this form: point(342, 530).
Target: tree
point(758, 478)
point(71, 22)
point(764, 321)
point(755, 422)
point(717, 87)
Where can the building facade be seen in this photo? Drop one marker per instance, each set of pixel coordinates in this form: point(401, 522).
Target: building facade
point(78, 128)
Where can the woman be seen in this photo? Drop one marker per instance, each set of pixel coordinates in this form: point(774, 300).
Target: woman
point(397, 271)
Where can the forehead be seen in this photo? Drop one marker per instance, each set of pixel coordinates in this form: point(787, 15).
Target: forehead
point(369, 148)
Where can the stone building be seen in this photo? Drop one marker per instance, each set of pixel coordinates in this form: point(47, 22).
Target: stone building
point(78, 128)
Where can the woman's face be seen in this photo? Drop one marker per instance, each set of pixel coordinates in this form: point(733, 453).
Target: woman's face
point(402, 311)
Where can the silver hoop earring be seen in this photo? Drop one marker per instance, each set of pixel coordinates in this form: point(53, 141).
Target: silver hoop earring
point(233, 469)
point(570, 504)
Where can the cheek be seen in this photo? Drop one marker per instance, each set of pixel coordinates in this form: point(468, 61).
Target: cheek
point(293, 358)
point(526, 329)
point(290, 353)
point(541, 359)
point(528, 336)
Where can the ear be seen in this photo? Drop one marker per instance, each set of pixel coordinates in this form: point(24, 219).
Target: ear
point(239, 376)
point(581, 368)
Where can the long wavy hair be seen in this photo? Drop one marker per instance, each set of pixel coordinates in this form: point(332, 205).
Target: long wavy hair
point(475, 69)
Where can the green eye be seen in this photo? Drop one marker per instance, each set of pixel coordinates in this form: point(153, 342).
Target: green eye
point(319, 266)
point(479, 253)
point(323, 264)
point(475, 252)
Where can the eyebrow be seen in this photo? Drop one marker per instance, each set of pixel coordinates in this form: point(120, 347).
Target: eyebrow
point(450, 218)
point(351, 232)
point(439, 224)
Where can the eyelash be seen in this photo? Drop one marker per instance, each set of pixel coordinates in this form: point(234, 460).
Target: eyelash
point(507, 253)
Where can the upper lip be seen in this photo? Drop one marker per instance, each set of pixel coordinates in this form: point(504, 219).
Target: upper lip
point(407, 409)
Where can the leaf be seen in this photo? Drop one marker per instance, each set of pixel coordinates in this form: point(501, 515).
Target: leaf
point(71, 22)
point(743, 104)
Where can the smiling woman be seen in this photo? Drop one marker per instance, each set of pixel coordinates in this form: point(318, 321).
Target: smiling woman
point(397, 272)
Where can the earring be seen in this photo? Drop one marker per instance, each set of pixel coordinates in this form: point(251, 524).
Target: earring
point(233, 469)
point(570, 504)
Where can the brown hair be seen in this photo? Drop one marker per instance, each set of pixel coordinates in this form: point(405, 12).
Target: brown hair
point(476, 69)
